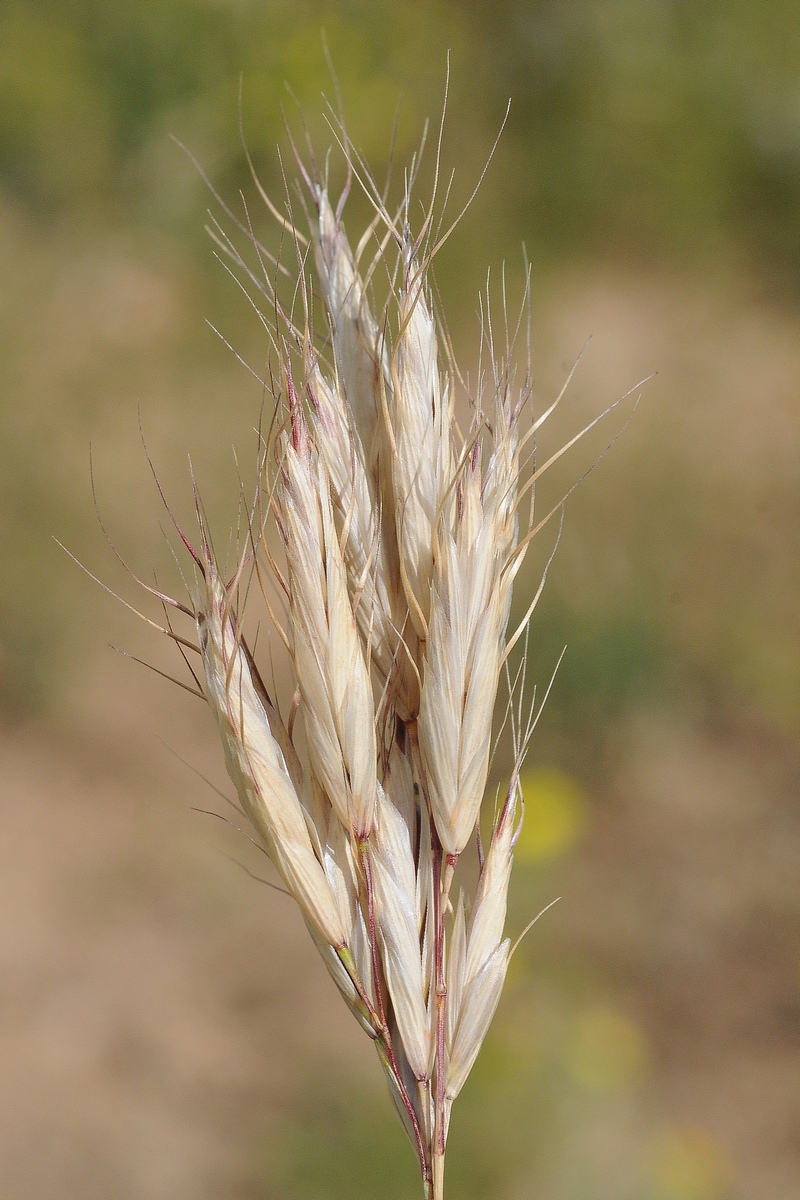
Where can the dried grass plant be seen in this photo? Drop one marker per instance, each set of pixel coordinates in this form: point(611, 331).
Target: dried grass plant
point(384, 542)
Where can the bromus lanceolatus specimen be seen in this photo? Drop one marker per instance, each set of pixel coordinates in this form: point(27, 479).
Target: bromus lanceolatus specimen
point(383, 543)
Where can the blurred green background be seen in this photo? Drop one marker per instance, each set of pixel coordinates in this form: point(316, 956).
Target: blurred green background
point(165, 1030)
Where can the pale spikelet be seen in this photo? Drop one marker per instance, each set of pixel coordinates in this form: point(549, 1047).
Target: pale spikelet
point(455, 716)
point(256, 765)
point(500, 484)
point(358, 450)
point(395, 892)
point(341, 450)
point(479, 959)
point(465, 640)
point(400, 790)
point(488, 915)
point(422, 458)
point(358, 345)
point(372, 575)
point(331, 672)
point(478, 1005)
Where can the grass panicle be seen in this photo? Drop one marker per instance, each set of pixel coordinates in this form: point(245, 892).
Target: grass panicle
point(395, 509)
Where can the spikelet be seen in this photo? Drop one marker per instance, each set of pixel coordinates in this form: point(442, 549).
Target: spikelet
point(479, 959)
point(358, 346)
point(420, 416)
point(470, 597)
point(348, 414)
point(396, 908)
point(328, 658)
point(257, 766)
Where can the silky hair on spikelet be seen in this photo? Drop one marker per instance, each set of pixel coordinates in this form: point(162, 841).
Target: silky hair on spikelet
point(385, 542)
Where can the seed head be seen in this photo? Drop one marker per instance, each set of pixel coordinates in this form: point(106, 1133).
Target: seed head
point(398, 540)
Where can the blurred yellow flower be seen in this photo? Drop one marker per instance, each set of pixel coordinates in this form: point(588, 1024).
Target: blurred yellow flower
point(555, 814)
point(688, 1164)
point(606, 1051)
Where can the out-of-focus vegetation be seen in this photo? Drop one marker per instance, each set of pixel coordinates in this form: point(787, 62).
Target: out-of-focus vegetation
point(651, 167)
point(663, 135)
point(653, 129)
